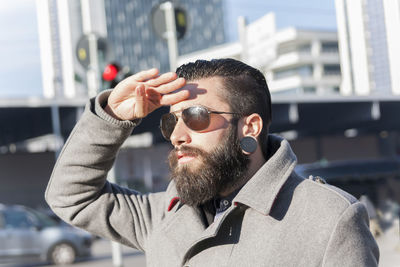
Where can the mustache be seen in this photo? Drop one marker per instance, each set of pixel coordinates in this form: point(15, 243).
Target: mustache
point(194, 151)
point(189, 150)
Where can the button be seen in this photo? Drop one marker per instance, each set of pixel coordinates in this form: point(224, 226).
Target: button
point(317, 179)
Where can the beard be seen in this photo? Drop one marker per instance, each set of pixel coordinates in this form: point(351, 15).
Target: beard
point(221, 170)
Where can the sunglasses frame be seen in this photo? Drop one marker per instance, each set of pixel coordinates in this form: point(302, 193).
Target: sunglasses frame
point(209, 112)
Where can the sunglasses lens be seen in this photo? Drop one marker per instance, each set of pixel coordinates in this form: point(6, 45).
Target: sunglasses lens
point(167, 125)
point(196, 118)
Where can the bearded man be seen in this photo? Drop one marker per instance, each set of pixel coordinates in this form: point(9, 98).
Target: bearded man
point(234, 198)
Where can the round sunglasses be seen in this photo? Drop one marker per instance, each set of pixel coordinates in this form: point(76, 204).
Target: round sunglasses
point(196, 118)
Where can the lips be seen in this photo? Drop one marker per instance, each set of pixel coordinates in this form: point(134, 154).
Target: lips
point(185, 157)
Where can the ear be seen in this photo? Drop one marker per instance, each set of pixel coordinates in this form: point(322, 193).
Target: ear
point(250, 126)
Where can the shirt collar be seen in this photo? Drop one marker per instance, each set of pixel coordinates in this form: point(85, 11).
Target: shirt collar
point(223, 203)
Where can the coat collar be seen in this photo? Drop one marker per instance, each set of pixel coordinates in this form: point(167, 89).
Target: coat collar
point(262, 189)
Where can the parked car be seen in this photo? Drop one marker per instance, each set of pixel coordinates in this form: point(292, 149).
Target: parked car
point(26, 234)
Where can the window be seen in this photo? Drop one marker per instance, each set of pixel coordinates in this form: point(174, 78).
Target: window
point(332, 70)
point(330, 47)
point(289, 48)
point(16, 219)
point(292, 91)
point(305, 48)
point(2, 224)
point(303, 71)
point(43, 219)
point(309, 90)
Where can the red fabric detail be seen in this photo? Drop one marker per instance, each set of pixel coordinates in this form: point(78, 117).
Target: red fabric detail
point(173, 203)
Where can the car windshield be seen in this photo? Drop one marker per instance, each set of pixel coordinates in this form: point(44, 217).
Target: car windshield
point(44, 220)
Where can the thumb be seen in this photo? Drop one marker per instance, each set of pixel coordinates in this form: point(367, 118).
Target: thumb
point(140, 109)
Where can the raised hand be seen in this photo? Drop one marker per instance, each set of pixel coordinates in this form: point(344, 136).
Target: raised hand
point(138, 95)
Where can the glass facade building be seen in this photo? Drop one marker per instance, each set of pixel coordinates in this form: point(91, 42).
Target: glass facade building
point(135, 43)
point(369, 40)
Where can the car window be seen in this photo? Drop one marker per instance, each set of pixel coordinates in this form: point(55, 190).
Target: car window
point(16, 219)
point(45, 221)
point(1, 221)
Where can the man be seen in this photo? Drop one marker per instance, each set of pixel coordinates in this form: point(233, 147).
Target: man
point(234, 198)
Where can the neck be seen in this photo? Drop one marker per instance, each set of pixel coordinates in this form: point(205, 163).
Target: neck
point(257, 160)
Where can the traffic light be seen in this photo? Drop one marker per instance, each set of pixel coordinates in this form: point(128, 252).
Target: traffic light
point(110, 72)
point(113, 73)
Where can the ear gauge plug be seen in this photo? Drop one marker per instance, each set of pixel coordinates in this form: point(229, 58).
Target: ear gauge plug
point(248, 144)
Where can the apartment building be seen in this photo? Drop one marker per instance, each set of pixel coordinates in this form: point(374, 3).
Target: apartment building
point(295, 61)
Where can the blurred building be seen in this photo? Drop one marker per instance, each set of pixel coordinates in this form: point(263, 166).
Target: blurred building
point(135, 42)
point(306, 62)
point(369, 46)
point(295, 61)
point(60, 27)
point(132, 40)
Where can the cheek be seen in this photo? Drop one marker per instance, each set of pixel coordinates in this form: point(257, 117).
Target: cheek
point(208, 140)
point(213, 135)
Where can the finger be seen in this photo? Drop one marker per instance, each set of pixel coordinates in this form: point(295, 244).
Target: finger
point(145, 75)
point(174, 98)
point(164, 78)
point(171, 86)
point(151, 93)
point(129, 84)
point(140, 105)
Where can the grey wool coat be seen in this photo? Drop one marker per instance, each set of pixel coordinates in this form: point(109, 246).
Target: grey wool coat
point(277, 218)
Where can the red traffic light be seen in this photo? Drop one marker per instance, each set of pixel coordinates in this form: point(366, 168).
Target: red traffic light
point(110, 72)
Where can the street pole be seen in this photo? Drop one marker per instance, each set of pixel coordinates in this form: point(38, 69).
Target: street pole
point(93, 70)
point(55, 123)
point(93, 87)
point(116, 248)
point(170, 34)
point(148, 174)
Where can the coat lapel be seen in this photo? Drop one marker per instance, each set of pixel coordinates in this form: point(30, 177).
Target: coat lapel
point(184, 227)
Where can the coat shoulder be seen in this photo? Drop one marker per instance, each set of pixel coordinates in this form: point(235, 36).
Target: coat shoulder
point(331, 190)
point(314, 191)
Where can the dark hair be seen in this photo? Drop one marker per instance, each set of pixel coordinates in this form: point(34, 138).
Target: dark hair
point(246, 89)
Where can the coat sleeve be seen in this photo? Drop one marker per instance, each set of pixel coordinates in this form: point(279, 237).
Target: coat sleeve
point(351, 243)
point(79, 193)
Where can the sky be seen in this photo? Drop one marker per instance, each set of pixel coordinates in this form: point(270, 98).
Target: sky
point(20, 71)
point(306, 14)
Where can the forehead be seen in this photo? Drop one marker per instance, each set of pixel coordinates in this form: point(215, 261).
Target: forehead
point(206, 92)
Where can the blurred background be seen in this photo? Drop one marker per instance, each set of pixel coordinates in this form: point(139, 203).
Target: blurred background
point(332, 68)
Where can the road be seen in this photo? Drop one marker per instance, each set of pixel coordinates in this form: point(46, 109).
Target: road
point(389, 246)
point(101, 257)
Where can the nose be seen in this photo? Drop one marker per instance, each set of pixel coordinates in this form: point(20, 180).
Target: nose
point(181, 134)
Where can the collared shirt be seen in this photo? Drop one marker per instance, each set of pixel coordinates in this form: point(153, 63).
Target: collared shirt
point(215, 207)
